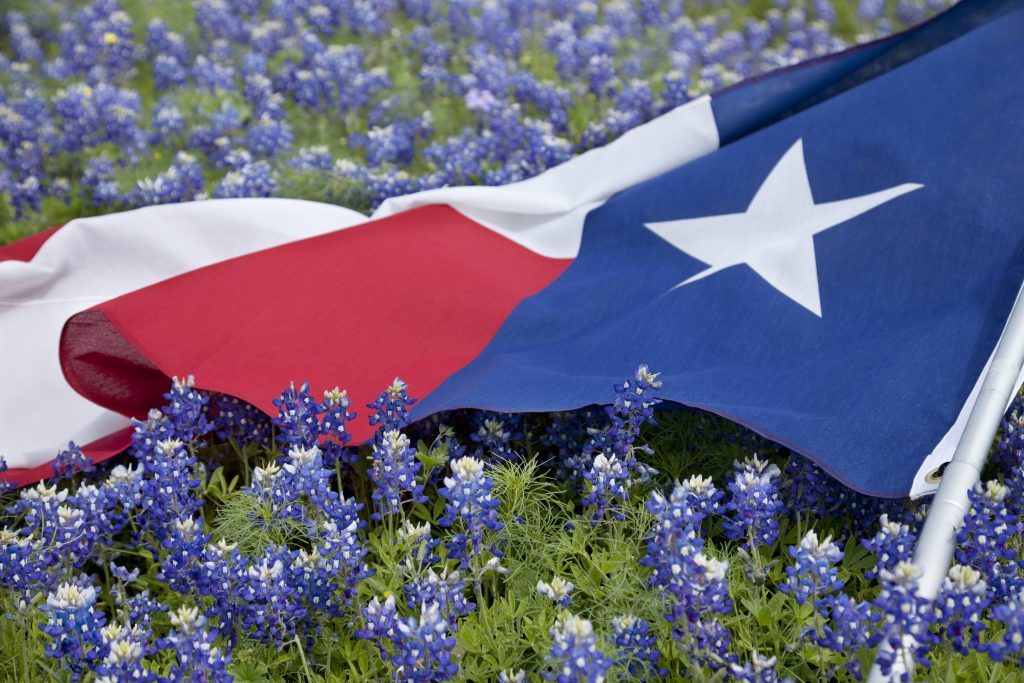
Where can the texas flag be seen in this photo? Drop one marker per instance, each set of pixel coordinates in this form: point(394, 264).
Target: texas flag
point(827, 255)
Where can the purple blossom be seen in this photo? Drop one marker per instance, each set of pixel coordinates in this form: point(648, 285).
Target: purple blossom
point(558, 591)
point(907, 620)
point(983, 540)
point(755, 504)
point(637, 648)
point(471, 506)
point(1010, 647)
point(759, 670)
point(196, 658)
point(892, 544)
point(962, 600)
point(251, 180)
point(575, 657)
point(423, 647)
point(391, 408)
point(814, 573)
point(73, 625)
point(393, 471)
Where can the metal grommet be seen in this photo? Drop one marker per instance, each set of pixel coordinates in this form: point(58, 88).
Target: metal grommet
point(935, 476)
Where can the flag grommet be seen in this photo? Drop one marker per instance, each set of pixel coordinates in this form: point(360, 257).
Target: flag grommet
point(935, 476)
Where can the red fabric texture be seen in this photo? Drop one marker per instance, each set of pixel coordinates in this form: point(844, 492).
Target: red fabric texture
point(417, 295)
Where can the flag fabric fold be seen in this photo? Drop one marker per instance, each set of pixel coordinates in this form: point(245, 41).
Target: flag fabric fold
point(827, 254)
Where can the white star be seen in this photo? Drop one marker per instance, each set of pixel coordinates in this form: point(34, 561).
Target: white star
point(775, 236)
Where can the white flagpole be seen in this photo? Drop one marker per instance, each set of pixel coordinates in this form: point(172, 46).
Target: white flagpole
point(933, 553)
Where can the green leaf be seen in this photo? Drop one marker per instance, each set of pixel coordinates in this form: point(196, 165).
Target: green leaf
point(248, 669)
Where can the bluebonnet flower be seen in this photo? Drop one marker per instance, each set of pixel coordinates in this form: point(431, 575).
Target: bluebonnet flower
point(24, 567)
point(125, 648)
point(848, 625)
point(608, 480)
point(423, 647)
point(181, 182)
point(675, 89)
point(315, 158)
point(160, 40)
point(168, 72)
point(910, 12)
point(328, 576)
point(759, 670)
point(168, 123)
point(394, 472)
point(254, 179)
point(575, 657)
point(418, 545)
point(871, 10)
point(601, 74)
point(1010, 647)
point(558, 591)
point(381, 622)
point(391, 408)
point(637, 648)
point(962, 599)
point(218, 19)
point(982, 541)
point(674, 535)
point(297, 417)
point(271, 609)
point(634, 403)
point(391, 144)
point(336, 414)
point(236, 421)
point(26, 48)
point(71, 462)
point(196, 658)
point(1010, 448)
point(495, 434)
point(636, 96)
point(700, 496)
point(125, 485)
point(39, 506)
point(755, 504)
point(75, 107)
point(481, 100)
point(167, 491)
point(694, 582)
point(73, 625)
point(186, 409)
point(815, 573)
point(907, 619)
point(447, 589)
point(810, 489)
point(267, 137)
point(212, 75)
point(5, 485)
point(468, 492)
point(117, 112)
point(563, 436)
point(139, 609)
point(633, 407)
point(213, 136)
point(183, 543)
point(72, 535)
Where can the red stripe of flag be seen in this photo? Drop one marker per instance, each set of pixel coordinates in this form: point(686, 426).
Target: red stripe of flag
point(417, 295)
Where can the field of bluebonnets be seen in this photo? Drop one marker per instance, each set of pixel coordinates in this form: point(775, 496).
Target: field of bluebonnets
point(474, 546)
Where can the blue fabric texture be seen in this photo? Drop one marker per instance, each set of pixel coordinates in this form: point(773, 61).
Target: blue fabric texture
point(914, 293)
